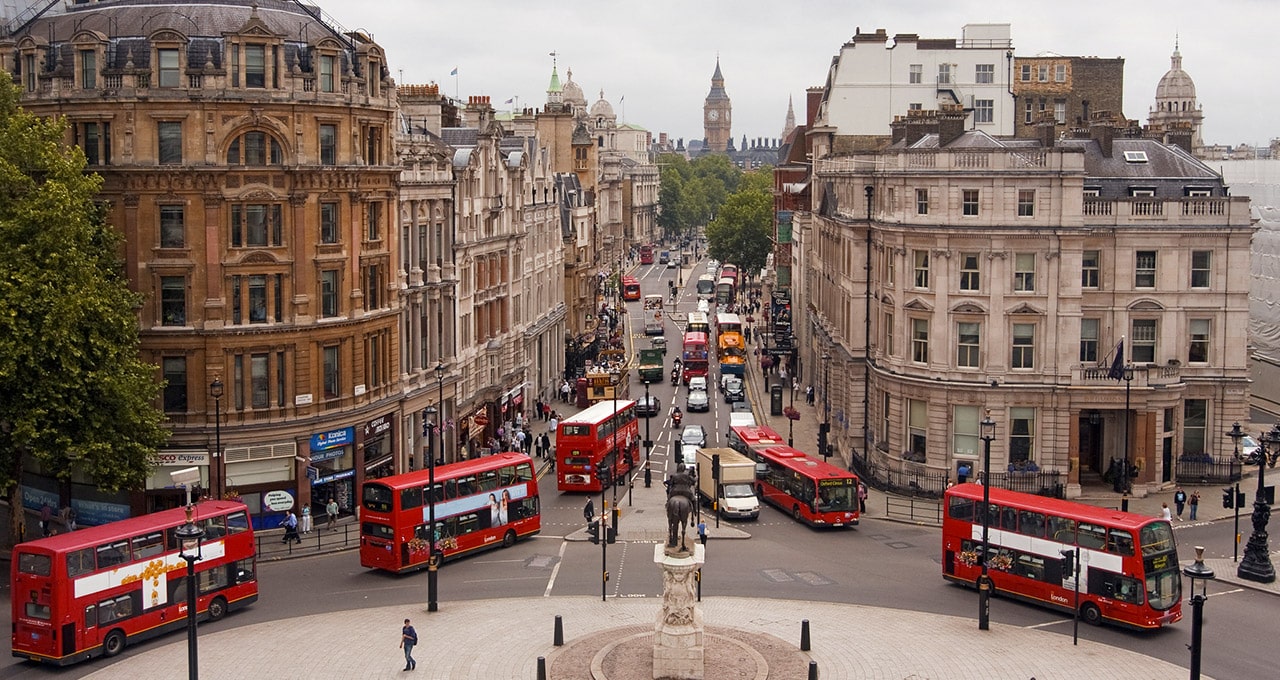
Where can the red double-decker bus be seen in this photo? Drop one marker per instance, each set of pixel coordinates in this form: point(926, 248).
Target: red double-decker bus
point(630, 288)
point(811, 491)
point(646, 254)
point(597, 447)
point(749, 440)
point(1128, 563)
point(695, 356)
point(479, 503)
point(91, 592)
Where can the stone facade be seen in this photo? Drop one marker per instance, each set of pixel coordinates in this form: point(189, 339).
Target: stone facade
point(1002, 275)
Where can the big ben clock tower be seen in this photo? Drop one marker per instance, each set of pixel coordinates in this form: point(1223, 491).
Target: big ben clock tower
point(717, 115)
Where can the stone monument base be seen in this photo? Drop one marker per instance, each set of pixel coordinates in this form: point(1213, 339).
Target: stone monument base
point(679, 645)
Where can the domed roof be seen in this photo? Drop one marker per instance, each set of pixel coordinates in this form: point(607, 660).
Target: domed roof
point(602, 108)
point(1176, 83)
point(573, 92)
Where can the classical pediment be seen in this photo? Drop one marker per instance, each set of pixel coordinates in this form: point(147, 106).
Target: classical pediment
point(968, 308)
point(918, 305)
point(1026, 308)
point(1146, 305)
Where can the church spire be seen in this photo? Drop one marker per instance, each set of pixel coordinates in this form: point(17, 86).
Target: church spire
point(790, 124)
point(555, 93)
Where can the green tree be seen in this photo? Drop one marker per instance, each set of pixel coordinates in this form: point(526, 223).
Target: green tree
point(742, 231)
point(75, 399)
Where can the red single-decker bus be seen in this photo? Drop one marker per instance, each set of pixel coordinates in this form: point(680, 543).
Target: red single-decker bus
point(810, 490)
point(1128, 563)
point(480, 503)
point(597, 447)
point(694, 356)
point(91, 592)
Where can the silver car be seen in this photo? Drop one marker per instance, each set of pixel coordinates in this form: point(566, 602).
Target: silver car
point(698, 401)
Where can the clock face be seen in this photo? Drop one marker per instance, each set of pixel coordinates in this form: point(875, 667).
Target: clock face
point(714, 115)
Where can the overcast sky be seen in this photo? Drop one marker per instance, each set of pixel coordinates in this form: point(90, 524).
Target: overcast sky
point(660, 54)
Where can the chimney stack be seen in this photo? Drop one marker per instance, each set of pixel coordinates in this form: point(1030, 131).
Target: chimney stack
point(1102, 131)
point(950, 124)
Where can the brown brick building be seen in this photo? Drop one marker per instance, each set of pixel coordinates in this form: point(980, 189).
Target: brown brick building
point(1067, 89)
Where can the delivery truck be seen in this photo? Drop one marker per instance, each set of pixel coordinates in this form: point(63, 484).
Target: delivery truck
point(651, 368)
point(729, 488)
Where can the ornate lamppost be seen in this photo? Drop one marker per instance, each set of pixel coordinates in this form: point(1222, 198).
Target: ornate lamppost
point(987, 431)
point(215, 471)
point(1197, 572)
point(189, 535)
point(824, 431)
point(1256, 564)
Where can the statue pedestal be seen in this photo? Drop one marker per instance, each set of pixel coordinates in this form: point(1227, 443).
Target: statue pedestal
point(678, 641)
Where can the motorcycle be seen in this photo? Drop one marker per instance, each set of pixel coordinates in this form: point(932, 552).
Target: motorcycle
point(675, 378)
point(675, 418)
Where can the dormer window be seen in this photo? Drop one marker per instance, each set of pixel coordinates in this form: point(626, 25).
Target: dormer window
point(1135, 156)
point(167, 61)
point(327, 63)
point(255, 66)
point(88, 69)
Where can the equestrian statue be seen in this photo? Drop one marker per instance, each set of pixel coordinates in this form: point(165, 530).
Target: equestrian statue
point(680, 502)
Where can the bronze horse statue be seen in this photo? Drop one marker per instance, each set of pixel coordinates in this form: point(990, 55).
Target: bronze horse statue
point(679, 507)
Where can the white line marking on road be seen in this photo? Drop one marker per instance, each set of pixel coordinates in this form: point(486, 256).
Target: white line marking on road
point(1226, 592)
point(497, 580)
point(551, 582)
point(1047, 624)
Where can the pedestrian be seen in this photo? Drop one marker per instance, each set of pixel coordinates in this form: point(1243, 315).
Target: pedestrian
point(545, 441)
point(520, 437)
point(551, 425)
point(46, 519)
point(1194, 502)
point(546, 411)
point(290, 528)
point(71, 517)
point(808, 395)
point(862, 496)
point(962, 472)
point(306, 518)
point(537, 409)
point(408, 638)
point(331, 511)
point(1179, 501)
point(1165, 513)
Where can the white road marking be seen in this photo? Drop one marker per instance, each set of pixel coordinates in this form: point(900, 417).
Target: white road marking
point(551, 582)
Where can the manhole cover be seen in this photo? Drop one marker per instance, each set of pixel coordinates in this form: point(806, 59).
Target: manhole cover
point(898, 545)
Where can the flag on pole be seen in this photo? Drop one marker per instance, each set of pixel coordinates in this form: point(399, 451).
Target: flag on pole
point(1117, 364)
point(454, 72)
point(510, 100)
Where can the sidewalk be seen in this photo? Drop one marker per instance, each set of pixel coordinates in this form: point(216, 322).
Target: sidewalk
point(504, 638)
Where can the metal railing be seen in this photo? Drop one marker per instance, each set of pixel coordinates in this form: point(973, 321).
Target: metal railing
point(271, 545)
point(1192, 468)
point(913, 508)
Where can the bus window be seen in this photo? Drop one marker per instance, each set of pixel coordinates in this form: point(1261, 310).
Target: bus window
point(377, 497)
point(1030, 566)
point(36, 609)
point(214, 528)
point(467, 524)
point(112, 554)
point(1031, 523)
point(1120, 542)
point(1062, 530)
point(1092, 536)
point(1156, 538)
point(487, 480)
point(148, 545)
point(237, 522)
point(1009, 519)
point(115, 609)
point(961, 509)
point(437, 493)
point(210, 580)
point(467, 486)
point(450, 489)
point(524, 472)
point(411, 498)
point(79, 562)
point(506, 476)
point(37, 565)
point(244, 570)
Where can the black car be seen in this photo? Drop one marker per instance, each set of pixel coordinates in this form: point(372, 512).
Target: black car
point(648, 406)
point(733, 391)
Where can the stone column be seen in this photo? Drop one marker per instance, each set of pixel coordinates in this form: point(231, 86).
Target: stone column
point(678, 640)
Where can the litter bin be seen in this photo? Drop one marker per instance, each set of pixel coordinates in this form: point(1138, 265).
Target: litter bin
point(775, 400)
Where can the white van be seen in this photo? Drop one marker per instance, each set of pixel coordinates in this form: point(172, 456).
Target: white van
point(742, 420)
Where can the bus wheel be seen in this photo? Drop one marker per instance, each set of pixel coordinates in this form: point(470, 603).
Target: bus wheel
point(795, 513)
point(509, 539)
point(217, 608)
point(114, 644)
point(1091, 614)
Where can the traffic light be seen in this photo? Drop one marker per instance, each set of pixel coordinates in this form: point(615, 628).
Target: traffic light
point(593, 531)
point(611, 532)
point(1068, 562)
point(1227, 498)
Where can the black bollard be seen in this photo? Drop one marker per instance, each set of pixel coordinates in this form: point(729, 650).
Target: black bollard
point(813, 670)
point(559, 634)
point(804, 635)
point(542, 669)
point(648, 476)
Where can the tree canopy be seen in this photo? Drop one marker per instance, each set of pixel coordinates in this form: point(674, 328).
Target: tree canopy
point(692, 192)
point(742, 230)
point(75, 398)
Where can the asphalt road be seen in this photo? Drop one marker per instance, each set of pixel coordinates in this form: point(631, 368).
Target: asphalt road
point(879, 563)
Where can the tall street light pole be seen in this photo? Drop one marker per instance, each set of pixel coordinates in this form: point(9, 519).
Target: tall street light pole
point(215, 471)
point(189, 535)
point(987, 431)
point(866, 334)
point(1197, 571)
point(1256, 564)
point(1127, 482)
point(433, 562)
point(824, 431)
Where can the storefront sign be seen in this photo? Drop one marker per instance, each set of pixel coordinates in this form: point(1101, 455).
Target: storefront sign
point(277, 501)
point(377, 426)
point(182, 458)
point(332, 439)
point(334, 477)
point(331, 454)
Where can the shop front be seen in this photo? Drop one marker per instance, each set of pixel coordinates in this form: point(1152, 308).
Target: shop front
point(332, 469)
point(162, 493)
point(376, 449)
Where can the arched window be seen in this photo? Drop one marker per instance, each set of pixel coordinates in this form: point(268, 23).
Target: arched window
point(254, 148)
